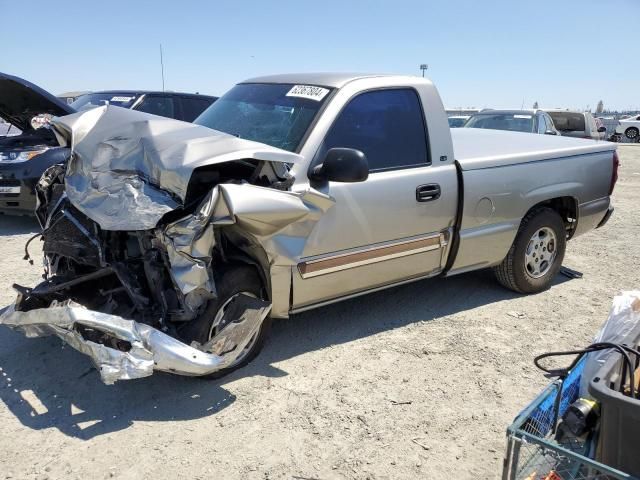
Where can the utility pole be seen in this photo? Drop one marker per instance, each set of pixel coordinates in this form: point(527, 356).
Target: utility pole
point(423, 67)
point(162, 67)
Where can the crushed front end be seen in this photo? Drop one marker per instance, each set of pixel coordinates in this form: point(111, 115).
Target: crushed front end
point(97, 282)
point(131, 262)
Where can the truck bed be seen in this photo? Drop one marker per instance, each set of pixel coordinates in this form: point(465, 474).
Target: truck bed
point(477, 148)
point(505, 173)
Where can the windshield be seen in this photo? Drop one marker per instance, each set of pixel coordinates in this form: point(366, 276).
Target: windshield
point(276, 114)
point(502, 121)
point(92, 100)
point(568, 122)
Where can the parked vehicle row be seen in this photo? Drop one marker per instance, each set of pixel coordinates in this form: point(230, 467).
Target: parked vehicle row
point(25, 157)
point(550, 122)
point(578, 124)
point(529, 121)
point(270, 204)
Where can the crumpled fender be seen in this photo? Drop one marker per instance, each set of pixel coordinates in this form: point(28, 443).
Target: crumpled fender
point(278, 221)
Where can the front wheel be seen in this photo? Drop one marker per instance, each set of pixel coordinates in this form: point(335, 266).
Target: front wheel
point(536, 255)
point(242, 280)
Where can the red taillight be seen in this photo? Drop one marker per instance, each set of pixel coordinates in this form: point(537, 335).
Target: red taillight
point(614, 173)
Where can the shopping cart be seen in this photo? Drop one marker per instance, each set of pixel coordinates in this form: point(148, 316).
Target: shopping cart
point(535, 450)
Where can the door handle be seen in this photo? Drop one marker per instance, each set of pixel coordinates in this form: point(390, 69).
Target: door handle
point(428, 192)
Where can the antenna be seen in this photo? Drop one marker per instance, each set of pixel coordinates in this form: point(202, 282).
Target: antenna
point(162, 67)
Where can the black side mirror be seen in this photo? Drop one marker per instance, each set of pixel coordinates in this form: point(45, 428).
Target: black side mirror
point(602, 129)
point(342, 165)
point(550, 132)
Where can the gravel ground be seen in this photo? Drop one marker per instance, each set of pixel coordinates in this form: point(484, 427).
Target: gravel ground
point(419, 381)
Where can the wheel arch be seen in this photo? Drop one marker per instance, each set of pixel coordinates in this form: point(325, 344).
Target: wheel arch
point(237, 249)
point(566, 207)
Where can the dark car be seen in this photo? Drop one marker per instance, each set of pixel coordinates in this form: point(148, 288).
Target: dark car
point(181, 106)
point(530, 121)
point(24, 157)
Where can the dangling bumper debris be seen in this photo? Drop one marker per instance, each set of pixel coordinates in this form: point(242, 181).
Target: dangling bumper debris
point(123, 349)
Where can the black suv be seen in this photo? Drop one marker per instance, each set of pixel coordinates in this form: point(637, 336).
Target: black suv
point(24, 157)
point(181, 106)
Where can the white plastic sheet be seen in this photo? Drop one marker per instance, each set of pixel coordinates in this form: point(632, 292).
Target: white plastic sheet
point(624, 316)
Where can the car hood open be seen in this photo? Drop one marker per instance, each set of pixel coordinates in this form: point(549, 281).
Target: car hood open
point(128, 168)
point(21, 100)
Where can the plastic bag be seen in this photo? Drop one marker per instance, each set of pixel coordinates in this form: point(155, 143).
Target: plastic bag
point(624, 316)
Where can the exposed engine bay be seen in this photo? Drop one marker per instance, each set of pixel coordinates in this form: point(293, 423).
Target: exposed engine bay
point(138, 231)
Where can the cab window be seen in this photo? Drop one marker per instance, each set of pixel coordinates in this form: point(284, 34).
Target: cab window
point(386, 125)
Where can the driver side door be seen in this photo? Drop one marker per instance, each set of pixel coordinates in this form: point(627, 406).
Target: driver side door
point(395, 225)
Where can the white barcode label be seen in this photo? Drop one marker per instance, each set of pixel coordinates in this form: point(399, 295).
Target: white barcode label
point(121, 99)
point(308, 91)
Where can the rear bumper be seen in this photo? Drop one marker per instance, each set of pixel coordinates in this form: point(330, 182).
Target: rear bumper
point(606, 217)
point(129, 349)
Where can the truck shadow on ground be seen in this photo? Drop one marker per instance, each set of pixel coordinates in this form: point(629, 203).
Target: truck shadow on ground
point(45, 386)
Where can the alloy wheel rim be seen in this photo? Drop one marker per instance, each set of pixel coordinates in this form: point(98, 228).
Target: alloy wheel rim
point(541, 252)
point(218, 318)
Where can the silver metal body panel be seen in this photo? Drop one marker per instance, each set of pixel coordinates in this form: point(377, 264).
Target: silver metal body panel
point(497, 198)
point(481, 148)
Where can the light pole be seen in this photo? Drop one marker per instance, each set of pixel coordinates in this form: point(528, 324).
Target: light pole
point(423, 67)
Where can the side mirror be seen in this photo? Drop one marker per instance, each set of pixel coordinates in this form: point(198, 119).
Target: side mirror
point(602, 129)
point(550, 132)
point(342, 165)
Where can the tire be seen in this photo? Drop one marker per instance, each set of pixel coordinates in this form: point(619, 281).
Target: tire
point(517, 271)
point(241, 279)
point(631, 133)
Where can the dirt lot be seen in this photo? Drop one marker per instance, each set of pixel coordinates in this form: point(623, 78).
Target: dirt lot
point(415, 382)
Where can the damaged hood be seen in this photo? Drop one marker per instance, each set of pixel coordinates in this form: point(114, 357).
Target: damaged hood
point(129, 168)
point(21, 100)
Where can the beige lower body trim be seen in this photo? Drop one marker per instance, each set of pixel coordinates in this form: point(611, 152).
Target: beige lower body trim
point(345, 261)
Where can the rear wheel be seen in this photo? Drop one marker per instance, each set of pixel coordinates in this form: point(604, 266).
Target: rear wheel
point(632, 133)
point(536, 255)
point(242, 280)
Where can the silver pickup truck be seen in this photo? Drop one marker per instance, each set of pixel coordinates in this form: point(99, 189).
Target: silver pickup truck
point(170, 246)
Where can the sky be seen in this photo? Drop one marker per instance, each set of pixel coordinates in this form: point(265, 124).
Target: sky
point(491, 53)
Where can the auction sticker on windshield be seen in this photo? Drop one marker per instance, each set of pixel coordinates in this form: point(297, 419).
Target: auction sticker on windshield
point(528, 117)
point(121, 99)
point(309, 92)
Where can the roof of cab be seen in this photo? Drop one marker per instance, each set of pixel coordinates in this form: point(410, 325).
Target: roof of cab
point(322, 79)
